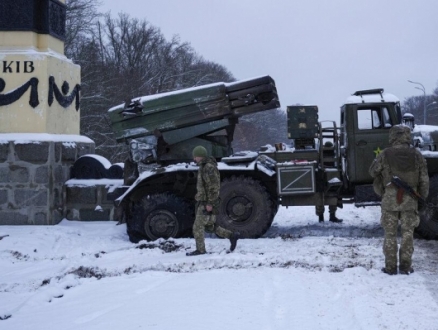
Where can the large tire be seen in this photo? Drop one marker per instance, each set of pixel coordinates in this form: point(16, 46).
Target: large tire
point(159, 216)
point(245, 207)
point(428, 227)
point(274, 209)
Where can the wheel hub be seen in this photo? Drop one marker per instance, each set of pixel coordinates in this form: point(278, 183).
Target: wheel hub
point(161, 223)
point(239, 208)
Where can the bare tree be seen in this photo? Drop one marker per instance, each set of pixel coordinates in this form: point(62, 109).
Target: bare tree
point(81, 17)
point(123, 58)
point(260, 129)
point(416, 104)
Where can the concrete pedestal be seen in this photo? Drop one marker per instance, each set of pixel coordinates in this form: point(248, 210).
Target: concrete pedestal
point(33, 170)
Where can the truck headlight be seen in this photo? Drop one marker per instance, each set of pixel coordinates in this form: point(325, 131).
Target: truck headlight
point(140, 151)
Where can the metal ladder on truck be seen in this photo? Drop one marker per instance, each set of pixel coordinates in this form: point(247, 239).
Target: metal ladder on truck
point(329, 157)
point(329, 146)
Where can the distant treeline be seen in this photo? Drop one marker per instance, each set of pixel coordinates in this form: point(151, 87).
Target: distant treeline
point(416, 104)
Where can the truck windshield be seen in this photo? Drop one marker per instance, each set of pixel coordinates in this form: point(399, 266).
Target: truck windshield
point(374, 117)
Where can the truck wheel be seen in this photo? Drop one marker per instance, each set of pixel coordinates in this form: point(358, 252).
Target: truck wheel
point(428, 227)
point(156, 216)
point(245, 207)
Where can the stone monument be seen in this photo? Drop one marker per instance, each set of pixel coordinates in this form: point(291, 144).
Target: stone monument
point(39, 112)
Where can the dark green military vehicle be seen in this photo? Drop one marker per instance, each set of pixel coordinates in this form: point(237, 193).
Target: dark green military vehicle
point(163, 129)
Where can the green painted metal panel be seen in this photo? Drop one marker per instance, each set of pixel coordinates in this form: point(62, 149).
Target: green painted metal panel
point(177, 99)
point(177, 118)
point(295, 179)
point(193, 106)
point(302, 122)
point(248, 83)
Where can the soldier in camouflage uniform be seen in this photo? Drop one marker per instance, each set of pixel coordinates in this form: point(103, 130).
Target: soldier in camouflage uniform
point(321, 199)
point(407, 163)
point(207, 202)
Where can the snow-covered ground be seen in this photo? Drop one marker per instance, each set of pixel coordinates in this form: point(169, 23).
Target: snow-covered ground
point(301, 275)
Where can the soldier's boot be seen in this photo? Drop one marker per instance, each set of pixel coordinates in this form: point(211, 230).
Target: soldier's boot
point(321, 218)
point(195, 253)
point(389, 271)
point(233, 240)
point(405, 270)
point(333, 218)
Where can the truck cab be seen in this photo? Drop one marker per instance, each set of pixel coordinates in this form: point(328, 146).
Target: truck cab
point(366, 118)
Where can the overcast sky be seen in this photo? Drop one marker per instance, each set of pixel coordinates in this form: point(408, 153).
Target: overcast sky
point(318, 51)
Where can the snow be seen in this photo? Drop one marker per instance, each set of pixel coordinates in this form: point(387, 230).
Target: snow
point(108, 183)
point(425, 128)
point(147, 98)
point(372, 98)
point(32, 53)
point(335, 180)
point(429, 154)
point(23, 138)
point(271, 148)
point(244, 80)
point(243, 155)
point(301, 275)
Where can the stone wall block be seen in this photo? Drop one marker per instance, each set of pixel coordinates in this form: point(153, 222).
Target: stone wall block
point(58, 174)
point(13, 218)
point(3, 197)
point(110, 195)
point(57, 152)
point(57, 198)
point(4, 174)
point(56, 217)
point(67, 172)
point(36, 153)
point(18, 174)
point(30, 197)
point(84, 148)
point(85, 195)
point(40, 218)
point(68, 152)
point(93, 215)
point(4, 152)
point(42, 175)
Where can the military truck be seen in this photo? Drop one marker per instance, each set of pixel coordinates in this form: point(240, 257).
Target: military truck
point(163, 129)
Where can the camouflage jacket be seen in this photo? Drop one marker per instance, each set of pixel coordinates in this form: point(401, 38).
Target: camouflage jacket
point(403, 161)
point(208, 184)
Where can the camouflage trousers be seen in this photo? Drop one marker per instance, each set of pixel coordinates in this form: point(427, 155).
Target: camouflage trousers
point(206, 223)
point(319, 205)
point(389, 221)
point(319, 209)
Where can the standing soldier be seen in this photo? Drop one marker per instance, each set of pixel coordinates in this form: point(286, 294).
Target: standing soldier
point(207, 202)
point(332, 201)
point(405, 162)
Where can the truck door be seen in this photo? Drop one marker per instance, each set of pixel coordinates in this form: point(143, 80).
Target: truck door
point(370, 137)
